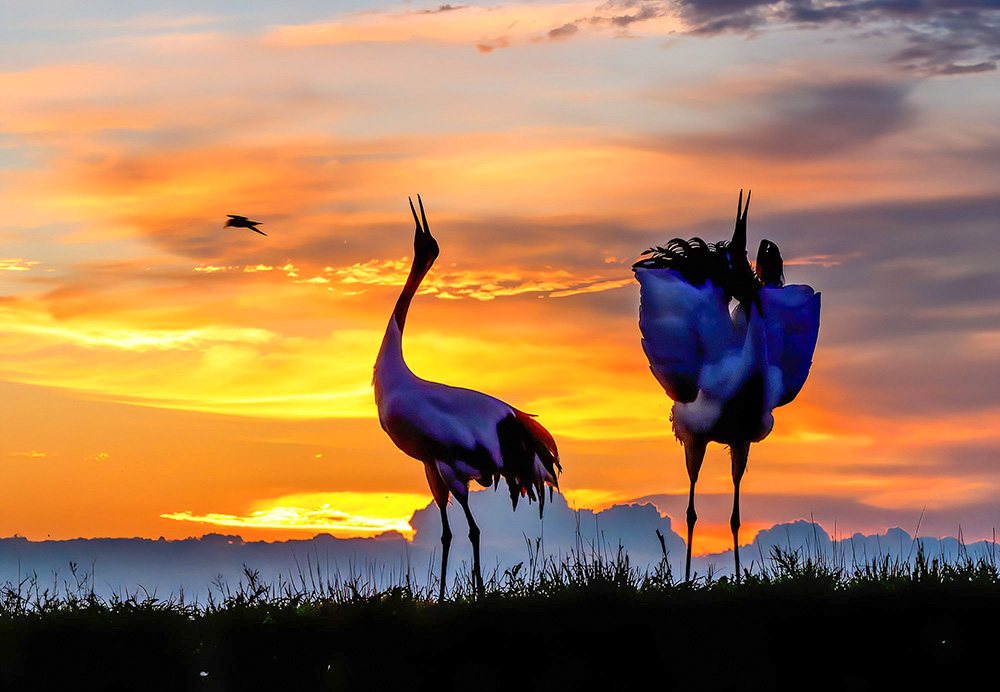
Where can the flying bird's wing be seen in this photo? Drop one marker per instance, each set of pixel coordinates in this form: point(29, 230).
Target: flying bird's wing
point(254, 228)
point(791, 317)
point(236, 217)
point(686, 330)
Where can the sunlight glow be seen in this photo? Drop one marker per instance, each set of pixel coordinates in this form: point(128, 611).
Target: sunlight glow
point(16, 264)
point(343, 514)
point(591, 498)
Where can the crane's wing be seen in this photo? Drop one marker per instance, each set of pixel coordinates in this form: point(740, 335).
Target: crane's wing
point(686, 330)
point(436, 421)
point(791, 319)
point(478, 436)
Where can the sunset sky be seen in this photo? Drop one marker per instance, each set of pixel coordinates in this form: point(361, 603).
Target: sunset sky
point(161, 375)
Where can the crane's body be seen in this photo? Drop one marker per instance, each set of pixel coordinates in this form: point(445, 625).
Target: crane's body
point(726, 371)
point(460, 435)
point(237, 221)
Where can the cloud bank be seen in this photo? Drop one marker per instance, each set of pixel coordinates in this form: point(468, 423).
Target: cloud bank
point(509, 538)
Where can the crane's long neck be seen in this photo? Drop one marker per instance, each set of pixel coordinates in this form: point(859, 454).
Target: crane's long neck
point(389, 365)
point(418, 270)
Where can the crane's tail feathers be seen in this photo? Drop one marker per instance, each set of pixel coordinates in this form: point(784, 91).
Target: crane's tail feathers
point(530, 457)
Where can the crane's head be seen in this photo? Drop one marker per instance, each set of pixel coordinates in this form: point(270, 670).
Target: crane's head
point(770, 268)
point(425, 248)
point(738, 279)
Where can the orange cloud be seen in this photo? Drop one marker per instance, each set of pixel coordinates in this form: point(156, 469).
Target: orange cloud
point(486, 28)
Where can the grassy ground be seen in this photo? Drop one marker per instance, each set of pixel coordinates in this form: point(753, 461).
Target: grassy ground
point(592, 622)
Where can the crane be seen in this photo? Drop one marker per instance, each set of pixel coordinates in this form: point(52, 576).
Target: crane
point(237, 221)
point(460, 435)
point(726, 371)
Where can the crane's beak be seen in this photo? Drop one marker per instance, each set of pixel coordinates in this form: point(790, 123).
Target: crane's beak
point(739, 241)
point(421, 228)
point(424, 246)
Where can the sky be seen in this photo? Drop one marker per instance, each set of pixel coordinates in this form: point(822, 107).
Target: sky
point(163, 376)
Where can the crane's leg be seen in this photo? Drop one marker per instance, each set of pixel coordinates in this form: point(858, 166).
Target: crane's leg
point(694, 455)
point(474, 537)
point(440, 491)
point(445, 547)
point(739, 454)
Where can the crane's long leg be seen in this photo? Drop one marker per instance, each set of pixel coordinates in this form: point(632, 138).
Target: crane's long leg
point(739, 454)
point(694, 455)
point(445, 547)
point(474, 537)
point(440, 491)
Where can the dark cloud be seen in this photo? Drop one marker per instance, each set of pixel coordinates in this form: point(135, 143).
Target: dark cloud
point(563, 32)
point(809, 120)
point(443, 8)
point(945, 37)
point(968, 69)
point(623, 13)
point(493, 44)
point(644, 11)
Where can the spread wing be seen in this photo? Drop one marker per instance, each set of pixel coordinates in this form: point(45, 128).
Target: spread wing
point(791, 318)
point(686, 330)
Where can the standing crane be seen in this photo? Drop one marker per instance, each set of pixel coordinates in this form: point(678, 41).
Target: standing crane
point(459, 434)
point(726, 372)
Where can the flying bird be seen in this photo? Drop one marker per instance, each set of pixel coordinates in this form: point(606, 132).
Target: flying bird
point(726, 371)
point(460, 435)
point(237, 221)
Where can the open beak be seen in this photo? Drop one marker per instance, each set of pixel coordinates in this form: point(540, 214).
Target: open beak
point(420, 228)
point(739, 241)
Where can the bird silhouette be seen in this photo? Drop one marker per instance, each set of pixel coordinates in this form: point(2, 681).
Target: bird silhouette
point(459, 434)
point(726, 372)
point(237, 221)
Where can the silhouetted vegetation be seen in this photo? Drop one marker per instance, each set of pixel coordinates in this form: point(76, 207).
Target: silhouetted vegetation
point(593, 621)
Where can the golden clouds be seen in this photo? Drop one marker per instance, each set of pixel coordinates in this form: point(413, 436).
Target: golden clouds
point(343, 514)
point(225, 369)
point(31, 454)
point(480, 285)
point(95, 335)
point(16, 264)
